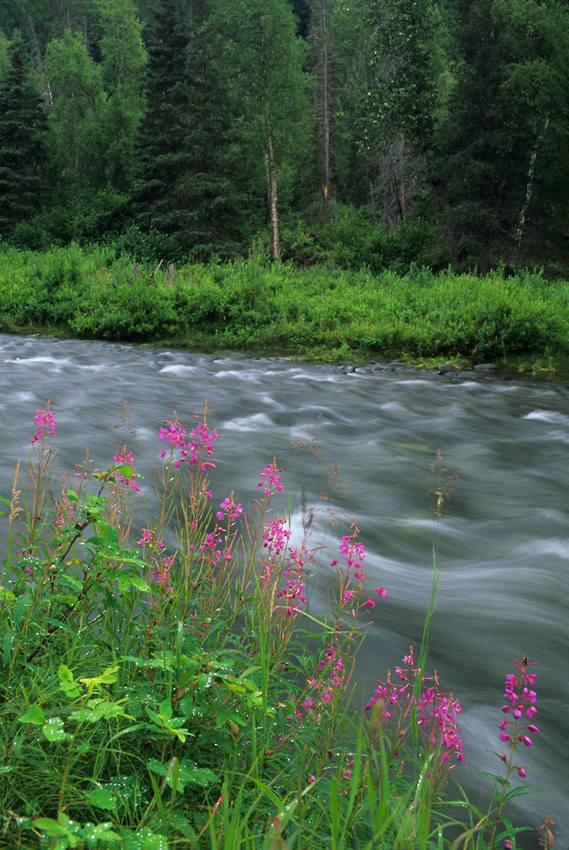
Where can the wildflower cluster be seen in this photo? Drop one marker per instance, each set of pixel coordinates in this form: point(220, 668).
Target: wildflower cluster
point(214, 548)
point(124, 458)
point(190, 449)
point(275, 535)
point(229, 509)
point(292, 594)
point(353, 577)
point(434, 711)
point(328, 679)
point(44, 420)
point(520, 700)
point(270, 477)
point(162, 563)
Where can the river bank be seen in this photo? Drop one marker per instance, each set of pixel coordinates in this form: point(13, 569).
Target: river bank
point(520, 323)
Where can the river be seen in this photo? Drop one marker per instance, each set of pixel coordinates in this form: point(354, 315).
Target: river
point(503, 554)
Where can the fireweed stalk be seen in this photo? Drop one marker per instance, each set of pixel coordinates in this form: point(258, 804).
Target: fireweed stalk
point(519, 707)
point(396, 706)
point(40, 466)
point(319, 707)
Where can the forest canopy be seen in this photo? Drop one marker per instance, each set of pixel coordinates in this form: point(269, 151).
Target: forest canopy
point(378, 133)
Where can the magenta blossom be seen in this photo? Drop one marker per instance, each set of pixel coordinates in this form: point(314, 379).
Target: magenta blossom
point(519, 704)
point(44, 420)
point(124, 458)
point(272, 478)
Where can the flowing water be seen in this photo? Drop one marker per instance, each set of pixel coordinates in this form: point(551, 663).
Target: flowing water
point(503, 555)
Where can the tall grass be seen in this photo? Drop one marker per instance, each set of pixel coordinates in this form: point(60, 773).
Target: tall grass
point(169, 686)
point(320, 311)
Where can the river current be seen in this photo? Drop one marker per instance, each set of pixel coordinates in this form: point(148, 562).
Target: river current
point(503, 554)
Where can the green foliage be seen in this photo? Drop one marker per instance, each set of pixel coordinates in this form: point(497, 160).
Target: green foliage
point(451, 114)
point(22, 143)
point(322, 310)
point(176, 692)
point(513, 72)
point(184, 186)
point(123, 60)
point(76, 114)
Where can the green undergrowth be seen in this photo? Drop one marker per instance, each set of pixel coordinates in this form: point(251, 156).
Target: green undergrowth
point(171, 686)
point(324, 313)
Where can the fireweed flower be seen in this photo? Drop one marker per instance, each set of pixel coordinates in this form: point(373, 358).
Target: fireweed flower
point(162, 572)
point(211, 548)
point(435, 712)
point(275, 535)
point(148, 537)
point(353, 576)
point(270, 477)
point(519, 705)
point(292, 594)
point(125, 458)
point(230, 509)
point(190, 450)
point(44, 420)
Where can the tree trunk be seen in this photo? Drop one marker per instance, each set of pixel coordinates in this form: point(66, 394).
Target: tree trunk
point(272, 194)
point(529, 191)
point(325, 114)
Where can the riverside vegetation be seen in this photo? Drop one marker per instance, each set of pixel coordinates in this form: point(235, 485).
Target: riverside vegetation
point(334, 311)
point(170, 686)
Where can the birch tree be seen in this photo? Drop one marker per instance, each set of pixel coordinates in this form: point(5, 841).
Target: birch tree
point(268, 89)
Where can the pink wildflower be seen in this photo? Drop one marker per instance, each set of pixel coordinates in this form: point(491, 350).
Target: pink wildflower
point(272, 478)
point(124, 458)
point(44, 420)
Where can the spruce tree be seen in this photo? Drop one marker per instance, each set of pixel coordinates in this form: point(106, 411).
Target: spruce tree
point(161, 149)
point(184, 192)
point(22, 142)
point(213, 221)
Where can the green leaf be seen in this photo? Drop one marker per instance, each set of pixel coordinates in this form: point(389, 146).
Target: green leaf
point(47, 825)
point(139, 583)
point(103, 798)
point(65, 674)
point(34, 715)
point(54, 731)
point(154, 717)
point(166, 709)
point(156, 767)
point(7, 642)
point(101, 830)
point(70, 581)
point(144, 839)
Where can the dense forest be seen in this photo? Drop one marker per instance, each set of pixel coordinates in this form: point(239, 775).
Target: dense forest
point(386, 132)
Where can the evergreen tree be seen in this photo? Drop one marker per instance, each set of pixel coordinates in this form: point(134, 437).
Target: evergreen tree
point(161, 149)
point(22, 142)
point(214, 209)
point(184, 188)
